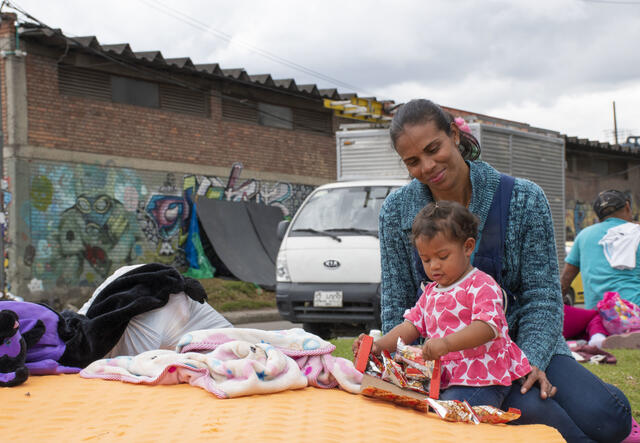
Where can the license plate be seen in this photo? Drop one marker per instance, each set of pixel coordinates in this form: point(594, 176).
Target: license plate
point(327, 299)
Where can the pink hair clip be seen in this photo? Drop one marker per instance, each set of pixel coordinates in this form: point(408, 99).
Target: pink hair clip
point(462, 125)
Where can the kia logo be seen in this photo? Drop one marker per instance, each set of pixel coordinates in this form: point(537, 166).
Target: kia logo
point(332, 264)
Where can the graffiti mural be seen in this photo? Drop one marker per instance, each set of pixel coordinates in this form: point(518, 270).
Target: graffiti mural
point(93, 230)
point(168, 213)
point(86, 221)
point(82, 222)
point(286, 196)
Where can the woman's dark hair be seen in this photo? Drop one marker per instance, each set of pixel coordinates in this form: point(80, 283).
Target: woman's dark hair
point(450, 218)
point(421, 111)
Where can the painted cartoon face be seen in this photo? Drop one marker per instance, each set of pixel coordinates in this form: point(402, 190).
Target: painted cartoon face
point(432, 156)
point(444, 260)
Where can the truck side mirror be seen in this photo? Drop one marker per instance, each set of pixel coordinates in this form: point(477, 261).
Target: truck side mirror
point(282, 228)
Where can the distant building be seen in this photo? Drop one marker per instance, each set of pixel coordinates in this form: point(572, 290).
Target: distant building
point(101, 143)
point(592, 167)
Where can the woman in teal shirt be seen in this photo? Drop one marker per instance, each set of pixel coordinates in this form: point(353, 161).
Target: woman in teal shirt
point(442, 160)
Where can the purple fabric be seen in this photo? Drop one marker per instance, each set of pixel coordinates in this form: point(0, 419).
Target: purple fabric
point(7, 377)
point(50, 346)
point(43, 355)
point(11, 346)
point(47, 367)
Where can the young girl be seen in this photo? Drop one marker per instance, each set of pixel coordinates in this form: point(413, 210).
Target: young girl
point(460, 311)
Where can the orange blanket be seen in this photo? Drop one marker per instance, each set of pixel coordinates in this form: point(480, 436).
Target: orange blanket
point(70, 408)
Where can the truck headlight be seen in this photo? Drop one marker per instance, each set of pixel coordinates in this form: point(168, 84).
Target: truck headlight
point(282, 271)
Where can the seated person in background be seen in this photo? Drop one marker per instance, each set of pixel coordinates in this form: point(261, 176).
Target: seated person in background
point(607, 254)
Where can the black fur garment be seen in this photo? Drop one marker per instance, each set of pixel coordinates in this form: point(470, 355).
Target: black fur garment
point(91, 337)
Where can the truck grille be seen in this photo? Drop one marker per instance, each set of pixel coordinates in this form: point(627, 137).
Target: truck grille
point(351, 311)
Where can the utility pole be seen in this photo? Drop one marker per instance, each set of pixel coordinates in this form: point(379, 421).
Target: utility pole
point(615, 123)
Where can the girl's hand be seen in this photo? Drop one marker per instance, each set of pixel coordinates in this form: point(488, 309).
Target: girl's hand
point(547, 390)
point(375, 349)
point(435, 348)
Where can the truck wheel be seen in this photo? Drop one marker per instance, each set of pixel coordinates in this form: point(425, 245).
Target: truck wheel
point(322, 330)
point(569, 298)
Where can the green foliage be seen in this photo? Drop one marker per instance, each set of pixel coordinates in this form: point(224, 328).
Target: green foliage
point(624, 374)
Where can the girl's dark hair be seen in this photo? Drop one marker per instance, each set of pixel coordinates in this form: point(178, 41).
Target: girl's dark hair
point(450, 218)
point(421, 111)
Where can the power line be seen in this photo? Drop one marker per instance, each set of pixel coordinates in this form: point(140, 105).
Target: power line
point(167, 10)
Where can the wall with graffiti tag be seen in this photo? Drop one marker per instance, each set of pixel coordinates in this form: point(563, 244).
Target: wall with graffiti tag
point(82, 222)
point(85, 221)
point(286, 196)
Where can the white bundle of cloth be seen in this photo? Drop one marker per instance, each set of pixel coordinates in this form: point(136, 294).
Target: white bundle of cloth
point(620, 245)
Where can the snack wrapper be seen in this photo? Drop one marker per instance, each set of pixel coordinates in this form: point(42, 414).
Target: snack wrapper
point(400, 400)
point(412, 357)
point(454, 410)
point(375, 366)
point(393, 371)
point(493, 415)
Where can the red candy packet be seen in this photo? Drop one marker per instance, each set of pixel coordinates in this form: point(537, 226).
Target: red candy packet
point(454, 410)
point(393, 371)
point(493, 415)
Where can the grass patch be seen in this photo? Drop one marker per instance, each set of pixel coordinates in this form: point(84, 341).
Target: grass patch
point(624, 375)
point(232, 295)
point(343, 347)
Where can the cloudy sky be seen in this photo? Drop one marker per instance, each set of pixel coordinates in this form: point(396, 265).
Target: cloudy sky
point(555, 64)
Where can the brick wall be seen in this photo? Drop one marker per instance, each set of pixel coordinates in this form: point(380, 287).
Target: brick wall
point(83, 124)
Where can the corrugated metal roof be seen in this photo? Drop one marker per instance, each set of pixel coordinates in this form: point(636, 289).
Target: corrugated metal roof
point(56, 38)
point(597, 146)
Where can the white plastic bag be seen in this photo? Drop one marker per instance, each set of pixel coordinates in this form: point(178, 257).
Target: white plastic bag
point(160, 328)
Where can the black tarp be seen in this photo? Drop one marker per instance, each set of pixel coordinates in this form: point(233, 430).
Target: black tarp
point(243, 236)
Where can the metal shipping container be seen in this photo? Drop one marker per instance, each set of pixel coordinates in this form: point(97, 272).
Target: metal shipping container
point(534, 154)
point(537, 156)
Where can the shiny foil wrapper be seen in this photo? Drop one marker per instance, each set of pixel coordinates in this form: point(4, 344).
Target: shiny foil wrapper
point(454, 410)
point(411, 356)
point(493, 415)
point(393, 372)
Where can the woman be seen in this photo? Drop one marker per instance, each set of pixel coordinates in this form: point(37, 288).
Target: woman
point(441, 158)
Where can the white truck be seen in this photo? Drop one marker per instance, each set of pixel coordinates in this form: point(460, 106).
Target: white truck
point(328, 265)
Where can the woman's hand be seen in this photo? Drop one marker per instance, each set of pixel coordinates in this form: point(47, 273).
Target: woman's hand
point(536, 375)
point(375, 349)
point(435, 348)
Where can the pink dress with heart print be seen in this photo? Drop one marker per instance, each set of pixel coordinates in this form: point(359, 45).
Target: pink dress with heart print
point(442, 311)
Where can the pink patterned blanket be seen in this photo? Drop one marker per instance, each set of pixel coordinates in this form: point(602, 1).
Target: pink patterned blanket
point(233, 362)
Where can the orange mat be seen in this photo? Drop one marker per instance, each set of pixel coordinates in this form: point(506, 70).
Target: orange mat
point(70, 408)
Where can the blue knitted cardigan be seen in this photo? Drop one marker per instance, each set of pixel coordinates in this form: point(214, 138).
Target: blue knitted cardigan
point(530, 264)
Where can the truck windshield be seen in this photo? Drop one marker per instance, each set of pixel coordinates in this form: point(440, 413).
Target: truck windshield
point(342, 211)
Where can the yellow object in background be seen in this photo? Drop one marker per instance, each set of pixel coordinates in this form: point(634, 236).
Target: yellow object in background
point(576, 290)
